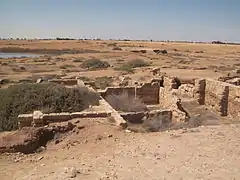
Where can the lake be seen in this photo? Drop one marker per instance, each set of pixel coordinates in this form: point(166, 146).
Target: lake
point(18, 55)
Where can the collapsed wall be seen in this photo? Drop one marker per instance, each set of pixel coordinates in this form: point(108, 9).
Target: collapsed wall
point(168, 99)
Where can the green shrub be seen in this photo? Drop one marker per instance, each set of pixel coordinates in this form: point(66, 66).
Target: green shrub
point(103, 82)
point(25, 98)
point(93, 64)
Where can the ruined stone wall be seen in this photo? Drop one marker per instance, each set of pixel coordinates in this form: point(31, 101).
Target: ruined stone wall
point(199, 91)
point(38, 119)
point(223, 98)
point(117, 91)
point(216, 96)
point(186, 90)
point(234, 102)
point(168, 99)
point(148, 93)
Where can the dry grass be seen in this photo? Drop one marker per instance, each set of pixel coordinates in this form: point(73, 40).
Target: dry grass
point(75, 52)
point(126, 103)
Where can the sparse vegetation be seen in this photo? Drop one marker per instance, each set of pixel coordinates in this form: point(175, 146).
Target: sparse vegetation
point(19, 69)
point(117, 48)
point(24, 98)
point(126, 103)
point(93, 64)
point(78, 60)
point(129, 66)
point(65, 66)
point(84, 78)
point(157, 51)
point(103, 82)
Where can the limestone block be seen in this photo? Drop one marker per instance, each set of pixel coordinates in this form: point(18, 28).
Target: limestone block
point(57, 117)
point(25, 120)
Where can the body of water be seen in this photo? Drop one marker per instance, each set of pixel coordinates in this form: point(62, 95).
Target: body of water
point(18, 55)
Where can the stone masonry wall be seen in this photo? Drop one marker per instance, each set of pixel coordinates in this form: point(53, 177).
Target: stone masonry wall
point(234, 102)
point(199, 91)
point(216, 96)
point(148, 93)
point(224, 98)
point(168, 99)
point(38, 119)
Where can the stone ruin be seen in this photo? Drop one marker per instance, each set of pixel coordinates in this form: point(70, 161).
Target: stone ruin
point(166, 93)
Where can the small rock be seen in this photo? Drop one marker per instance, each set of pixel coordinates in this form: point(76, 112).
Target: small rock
point(40, 149)
point(76, 122)
point(80, 127)
point(99, 138)
point(73, 172)
point(39, 80)
point(128, 131)
point(41, 157)
point(17, 160)
point(1, 81)
point(110, 135)
point(57, 141)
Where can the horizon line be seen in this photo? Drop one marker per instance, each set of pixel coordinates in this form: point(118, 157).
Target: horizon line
point(123, 39)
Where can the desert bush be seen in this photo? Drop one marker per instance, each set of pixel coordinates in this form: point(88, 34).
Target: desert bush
point(157, 51)
point(93, 64)
point(126, 103)
point(130, 65)
point(84, 78)
point(103, 82)
point(47, 97)
point(137, 63)
point(125, 68)
point(19, 69)
point(112, 44)
point(78, 60)
point(65, 66)
point(117, 48)
point(199, 52)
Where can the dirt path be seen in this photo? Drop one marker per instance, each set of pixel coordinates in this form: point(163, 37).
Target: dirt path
point(103, 152)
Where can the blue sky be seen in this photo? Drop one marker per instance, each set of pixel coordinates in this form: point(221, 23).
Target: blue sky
point(196, 20)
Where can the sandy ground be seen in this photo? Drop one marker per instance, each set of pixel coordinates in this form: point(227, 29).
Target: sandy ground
point(101, 151)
